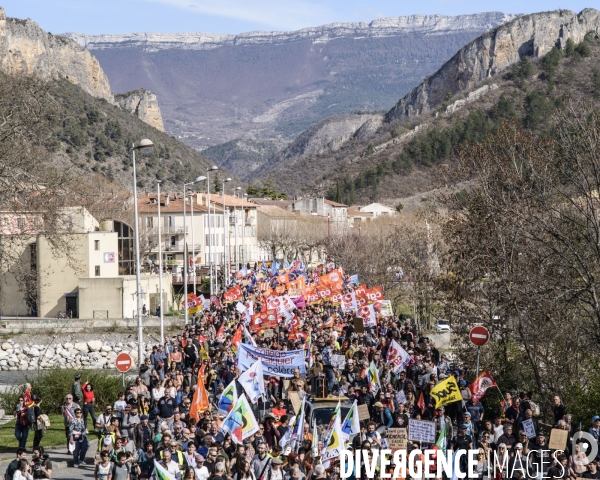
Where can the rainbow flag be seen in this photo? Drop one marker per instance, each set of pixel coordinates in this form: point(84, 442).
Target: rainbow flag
point(240, 423)
point(227, 399)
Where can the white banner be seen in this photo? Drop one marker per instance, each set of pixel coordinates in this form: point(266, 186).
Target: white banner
point(281, 363)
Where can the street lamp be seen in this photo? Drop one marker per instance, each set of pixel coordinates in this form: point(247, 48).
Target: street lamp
point(144, 146)
point(225, 263)
point(160, 271)
point(244, 259)
point(237, 252)
point(185, 266)
point(208, 170)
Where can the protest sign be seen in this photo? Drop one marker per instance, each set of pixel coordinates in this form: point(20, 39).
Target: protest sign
point(384, 308)
point(281, 363)
point(401, 397)
point(359, 325)
point(558, 439)
point(295, 400)
point(363, 412)
point(397, 438)
point(529, 428)
point(421, 431)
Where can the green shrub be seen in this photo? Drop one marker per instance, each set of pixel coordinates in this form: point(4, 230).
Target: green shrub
point(53, 385)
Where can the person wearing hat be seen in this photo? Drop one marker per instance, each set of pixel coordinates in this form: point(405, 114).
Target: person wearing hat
point(143, 432)
point(76, 390)
point(466, 419)
point(442, 420)
point(594, 431)
point(275, 472)
point(462, 441)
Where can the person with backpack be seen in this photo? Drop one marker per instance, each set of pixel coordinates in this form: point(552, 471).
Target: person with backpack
point(23, 415)
point(121, 470)
point(41, 422)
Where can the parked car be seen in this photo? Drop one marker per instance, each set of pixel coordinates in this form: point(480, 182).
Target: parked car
point(442, 326)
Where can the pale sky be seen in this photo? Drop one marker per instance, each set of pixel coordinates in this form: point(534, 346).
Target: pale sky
point(236, 16)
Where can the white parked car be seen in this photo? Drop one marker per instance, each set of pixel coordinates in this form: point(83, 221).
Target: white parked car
point(442, 326)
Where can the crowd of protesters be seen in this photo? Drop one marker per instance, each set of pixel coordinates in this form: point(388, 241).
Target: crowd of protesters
point(151, 420)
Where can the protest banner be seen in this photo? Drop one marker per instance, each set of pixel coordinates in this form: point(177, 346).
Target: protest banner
point(281, 363)
point(558, 439)
point(529, 428)
point(421, 431)
point(384, 308)
point(374, 294)
point(363, 412)
point(397, 439)
point(263, 321)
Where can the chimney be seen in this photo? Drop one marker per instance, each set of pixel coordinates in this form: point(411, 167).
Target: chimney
point(167, 200)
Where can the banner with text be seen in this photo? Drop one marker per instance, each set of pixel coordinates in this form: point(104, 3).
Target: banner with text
point(274, 362)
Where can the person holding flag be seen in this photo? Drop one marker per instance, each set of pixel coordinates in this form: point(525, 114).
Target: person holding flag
point(252, 381)
point(351, 423)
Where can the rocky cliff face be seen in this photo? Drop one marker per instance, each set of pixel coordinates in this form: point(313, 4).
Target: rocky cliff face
point(530, 35)
point(383, 27)
point(26, 48)
point(142, 104)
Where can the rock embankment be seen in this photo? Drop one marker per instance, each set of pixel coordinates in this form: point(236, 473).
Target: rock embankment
point(93, 354)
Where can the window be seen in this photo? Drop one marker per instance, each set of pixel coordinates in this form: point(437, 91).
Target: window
point(173, 240)
point(97, 270)
point(97, 245)
point(20, 222)
point(4, 222)
point(149, 222)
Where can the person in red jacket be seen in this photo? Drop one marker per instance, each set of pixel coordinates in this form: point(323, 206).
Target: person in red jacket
point(88, 403)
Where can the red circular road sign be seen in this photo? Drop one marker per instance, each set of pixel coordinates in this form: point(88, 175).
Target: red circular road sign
point(479, 336)
point(124, 362)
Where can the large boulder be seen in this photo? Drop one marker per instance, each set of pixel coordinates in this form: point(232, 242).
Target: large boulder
point(81, 347)
point(94, 345)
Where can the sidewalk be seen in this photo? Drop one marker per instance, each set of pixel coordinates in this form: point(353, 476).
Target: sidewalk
point(59, 457)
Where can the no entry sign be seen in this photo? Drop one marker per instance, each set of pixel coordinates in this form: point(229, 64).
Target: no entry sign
point(124, 362)
point(479, 336)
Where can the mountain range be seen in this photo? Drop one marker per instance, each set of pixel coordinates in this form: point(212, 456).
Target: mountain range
point(271, 86)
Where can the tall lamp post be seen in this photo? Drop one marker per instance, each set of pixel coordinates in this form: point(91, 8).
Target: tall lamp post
point(144, 146)
point(244, 259)
point(210, 263)
point(185, 262)
point(225, 263)
point(160, 271)
point(237, 251)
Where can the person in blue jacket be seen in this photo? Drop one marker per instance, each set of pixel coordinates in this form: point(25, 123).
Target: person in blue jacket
point(387, 420)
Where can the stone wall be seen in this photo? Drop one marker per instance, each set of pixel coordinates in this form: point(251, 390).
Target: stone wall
point(92, 355)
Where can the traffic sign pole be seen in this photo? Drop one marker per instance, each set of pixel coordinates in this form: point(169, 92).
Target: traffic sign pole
point(477, 368)
point(123, 362)
point(479, 336)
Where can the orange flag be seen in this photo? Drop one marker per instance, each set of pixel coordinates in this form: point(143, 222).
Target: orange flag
point(200, 401)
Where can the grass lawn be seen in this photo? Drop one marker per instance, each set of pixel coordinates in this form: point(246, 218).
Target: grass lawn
point(55, 435)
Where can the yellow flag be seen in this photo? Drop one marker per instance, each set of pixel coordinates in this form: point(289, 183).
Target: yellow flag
point(203, 353)
point(446, 392)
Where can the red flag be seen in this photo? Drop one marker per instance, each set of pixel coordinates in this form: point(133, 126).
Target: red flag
point(200, 401)
point(481, 384)
point(421, 403)
point(221, 332)
point(237, 338)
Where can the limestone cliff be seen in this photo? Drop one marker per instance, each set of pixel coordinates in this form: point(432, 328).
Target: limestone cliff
point(26, 48)
point(493, 52)
point(142, 104)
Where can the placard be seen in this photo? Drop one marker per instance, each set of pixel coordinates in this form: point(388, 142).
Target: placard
point(359, 325)
point(363, 412)
point(558, 439)
point(295, 400)
point(400, 397)
point(529, 428)
point(338, 361)
point(421, 431)
point(397, 438)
